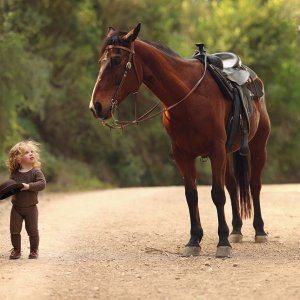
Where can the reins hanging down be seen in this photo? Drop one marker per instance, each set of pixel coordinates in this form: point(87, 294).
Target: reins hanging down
point(148, 115)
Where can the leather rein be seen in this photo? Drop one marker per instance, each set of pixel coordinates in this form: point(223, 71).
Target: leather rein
point(148, 115)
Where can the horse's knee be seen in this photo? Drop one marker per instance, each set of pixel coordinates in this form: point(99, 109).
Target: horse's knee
point(218, 195)
point(191, 193)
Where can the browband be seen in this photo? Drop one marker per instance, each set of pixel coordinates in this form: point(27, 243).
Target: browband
point(119, 47)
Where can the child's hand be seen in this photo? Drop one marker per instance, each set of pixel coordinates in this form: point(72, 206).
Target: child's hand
point(25, 187)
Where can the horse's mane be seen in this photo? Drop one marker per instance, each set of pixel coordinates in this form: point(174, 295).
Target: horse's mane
point(162, 48)
point(116, 39)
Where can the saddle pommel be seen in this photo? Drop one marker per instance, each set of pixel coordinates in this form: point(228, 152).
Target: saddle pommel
point(201, 48)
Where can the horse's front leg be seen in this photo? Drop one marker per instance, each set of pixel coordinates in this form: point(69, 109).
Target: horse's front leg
point(218, 165)
point(191, 194)
point(188, 170)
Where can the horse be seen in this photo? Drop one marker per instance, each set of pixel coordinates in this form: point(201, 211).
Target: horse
point(194, 115)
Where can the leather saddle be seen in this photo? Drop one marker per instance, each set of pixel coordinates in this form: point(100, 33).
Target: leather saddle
point(232, 66)
point(238, 83)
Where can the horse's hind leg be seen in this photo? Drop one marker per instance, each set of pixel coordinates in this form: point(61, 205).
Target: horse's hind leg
point(258, 159)
point(257, 163)
point(232, 187)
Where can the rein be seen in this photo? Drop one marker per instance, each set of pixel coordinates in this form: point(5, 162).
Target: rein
point(146, 116)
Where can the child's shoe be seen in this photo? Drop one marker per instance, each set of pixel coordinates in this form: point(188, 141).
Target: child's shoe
point(33, 254)
point(15, 254)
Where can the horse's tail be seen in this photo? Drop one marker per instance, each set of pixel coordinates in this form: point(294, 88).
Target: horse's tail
point(242, 173)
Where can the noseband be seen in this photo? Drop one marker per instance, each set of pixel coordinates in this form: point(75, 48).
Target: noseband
point(114, 101)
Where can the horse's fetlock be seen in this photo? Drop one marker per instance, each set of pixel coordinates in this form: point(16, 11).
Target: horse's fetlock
point(196, 234)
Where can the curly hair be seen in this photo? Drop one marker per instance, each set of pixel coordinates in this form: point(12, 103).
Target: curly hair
point(18, 150)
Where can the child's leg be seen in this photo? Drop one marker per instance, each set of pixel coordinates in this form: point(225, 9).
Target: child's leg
point(16, 220)
point(31, 225)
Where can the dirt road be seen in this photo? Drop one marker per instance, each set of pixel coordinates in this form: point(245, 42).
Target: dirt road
point(126, 244)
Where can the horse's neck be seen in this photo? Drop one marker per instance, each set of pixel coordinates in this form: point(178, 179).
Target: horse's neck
point(165, 75)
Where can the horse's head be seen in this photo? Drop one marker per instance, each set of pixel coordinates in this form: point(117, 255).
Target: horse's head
point(118, 74)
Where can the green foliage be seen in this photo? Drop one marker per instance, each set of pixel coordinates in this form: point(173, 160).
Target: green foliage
point(70, 175)
point(48, 61)
point(285, 139)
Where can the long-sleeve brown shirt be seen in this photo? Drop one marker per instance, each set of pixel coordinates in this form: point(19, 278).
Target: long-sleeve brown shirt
point(37, 182)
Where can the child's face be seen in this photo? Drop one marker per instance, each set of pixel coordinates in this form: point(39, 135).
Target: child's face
point(28, 157)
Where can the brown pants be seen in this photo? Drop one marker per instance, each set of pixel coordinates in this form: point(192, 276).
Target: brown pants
point(30, 215)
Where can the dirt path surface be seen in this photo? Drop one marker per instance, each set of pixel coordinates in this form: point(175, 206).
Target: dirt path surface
point(126, 244)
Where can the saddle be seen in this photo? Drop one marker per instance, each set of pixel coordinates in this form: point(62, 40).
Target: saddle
point(238, 83)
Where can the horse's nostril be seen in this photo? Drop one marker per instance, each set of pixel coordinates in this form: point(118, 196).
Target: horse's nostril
point(98, 108)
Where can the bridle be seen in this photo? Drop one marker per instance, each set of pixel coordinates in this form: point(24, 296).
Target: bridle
point(148, 115)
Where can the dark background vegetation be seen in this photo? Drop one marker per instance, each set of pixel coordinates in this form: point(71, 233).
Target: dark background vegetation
point(48, 65)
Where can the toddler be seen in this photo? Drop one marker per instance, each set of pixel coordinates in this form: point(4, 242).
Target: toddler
point(24, 165)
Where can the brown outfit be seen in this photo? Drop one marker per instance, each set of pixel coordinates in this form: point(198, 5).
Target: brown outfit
point(25, 208)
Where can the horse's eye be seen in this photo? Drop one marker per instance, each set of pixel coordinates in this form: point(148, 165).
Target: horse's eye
point(116, 61)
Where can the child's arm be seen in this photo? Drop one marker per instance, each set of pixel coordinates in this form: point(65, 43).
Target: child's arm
point(39, 184)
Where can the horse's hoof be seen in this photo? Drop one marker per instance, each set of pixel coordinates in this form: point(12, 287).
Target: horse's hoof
point(261, 239)
point(235, 238)
point(223, 251)
point(191, 251)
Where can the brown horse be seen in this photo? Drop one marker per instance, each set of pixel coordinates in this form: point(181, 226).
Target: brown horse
point(195, 117)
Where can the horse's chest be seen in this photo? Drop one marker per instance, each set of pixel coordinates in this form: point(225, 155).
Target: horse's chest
point(189, 138)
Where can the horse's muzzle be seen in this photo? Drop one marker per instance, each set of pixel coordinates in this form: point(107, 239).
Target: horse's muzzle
point(98, 109)
point(99, 112)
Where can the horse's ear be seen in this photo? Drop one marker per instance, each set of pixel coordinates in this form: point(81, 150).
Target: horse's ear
point(132, 34)
point(110, 31)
